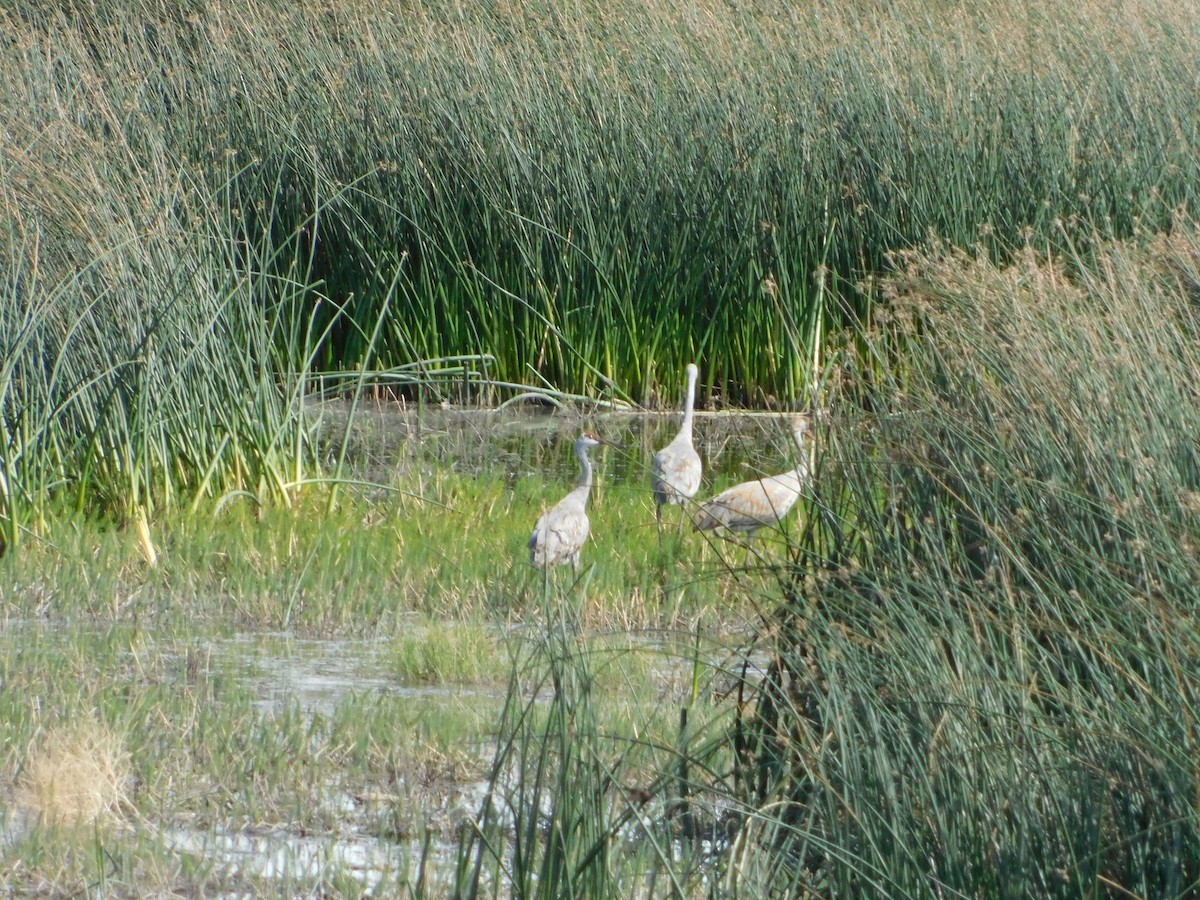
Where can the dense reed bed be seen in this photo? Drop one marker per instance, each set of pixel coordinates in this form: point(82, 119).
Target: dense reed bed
point(206, 205)
point(593, 193)
point(985, 675)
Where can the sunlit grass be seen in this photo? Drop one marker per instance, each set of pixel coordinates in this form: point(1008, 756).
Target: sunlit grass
point(462, 654)
point(310, 669)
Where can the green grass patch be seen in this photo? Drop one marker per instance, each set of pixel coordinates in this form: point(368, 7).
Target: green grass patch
point(457, 653)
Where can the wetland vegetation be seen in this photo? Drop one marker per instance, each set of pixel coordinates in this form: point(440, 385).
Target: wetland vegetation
point(267, 274)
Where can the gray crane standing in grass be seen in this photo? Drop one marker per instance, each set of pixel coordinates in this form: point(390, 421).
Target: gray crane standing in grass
point(748, 506)
point(676, 468)
point(562, 529)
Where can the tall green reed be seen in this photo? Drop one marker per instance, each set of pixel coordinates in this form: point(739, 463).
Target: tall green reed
point(172, 368)
point(572, 807)
point(596, 198)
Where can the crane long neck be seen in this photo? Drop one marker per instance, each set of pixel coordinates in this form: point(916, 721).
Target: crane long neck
point(585, 464)
point(801, 453)
point(688, 403)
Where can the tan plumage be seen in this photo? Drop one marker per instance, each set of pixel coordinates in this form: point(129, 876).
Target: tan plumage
point(562, 529)
point(748, 506)
point(676, 470)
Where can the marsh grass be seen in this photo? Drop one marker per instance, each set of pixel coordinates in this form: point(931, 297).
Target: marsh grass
point(979, 675)
point(593, 199)
point(206, 750)
point(982, 672)
point(299, 672)
point(123, 407)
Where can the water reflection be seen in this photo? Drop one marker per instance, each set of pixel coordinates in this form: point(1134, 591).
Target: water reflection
point(279, 854)
point(517, 442)
point(316, 675)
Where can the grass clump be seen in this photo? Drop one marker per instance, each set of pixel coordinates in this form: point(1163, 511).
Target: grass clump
point(450, 653)
point(76, 774)
point(549, 819)
point(158, 375)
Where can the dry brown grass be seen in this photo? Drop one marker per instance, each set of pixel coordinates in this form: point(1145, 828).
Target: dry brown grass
point(76, 773)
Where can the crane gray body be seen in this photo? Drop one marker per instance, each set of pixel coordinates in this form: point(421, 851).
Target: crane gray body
point(676, 469)
point(561, 531)
point(748, 506)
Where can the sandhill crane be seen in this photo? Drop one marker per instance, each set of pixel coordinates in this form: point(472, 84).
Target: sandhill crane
point(562, 529)
point(750, 505)
point(676, 467)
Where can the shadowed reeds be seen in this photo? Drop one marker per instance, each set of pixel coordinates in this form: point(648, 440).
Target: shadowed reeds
point(984, 667)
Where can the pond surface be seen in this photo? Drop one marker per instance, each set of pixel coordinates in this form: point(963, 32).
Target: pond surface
point(520, 441)
point(314, 675)
point(284, 856)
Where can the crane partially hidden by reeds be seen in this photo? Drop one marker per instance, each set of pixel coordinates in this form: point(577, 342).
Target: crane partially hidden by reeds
point(748, 506)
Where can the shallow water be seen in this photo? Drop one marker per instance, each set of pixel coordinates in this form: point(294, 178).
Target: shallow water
point(318, 676)
point(282, 855)
point(520, 441)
